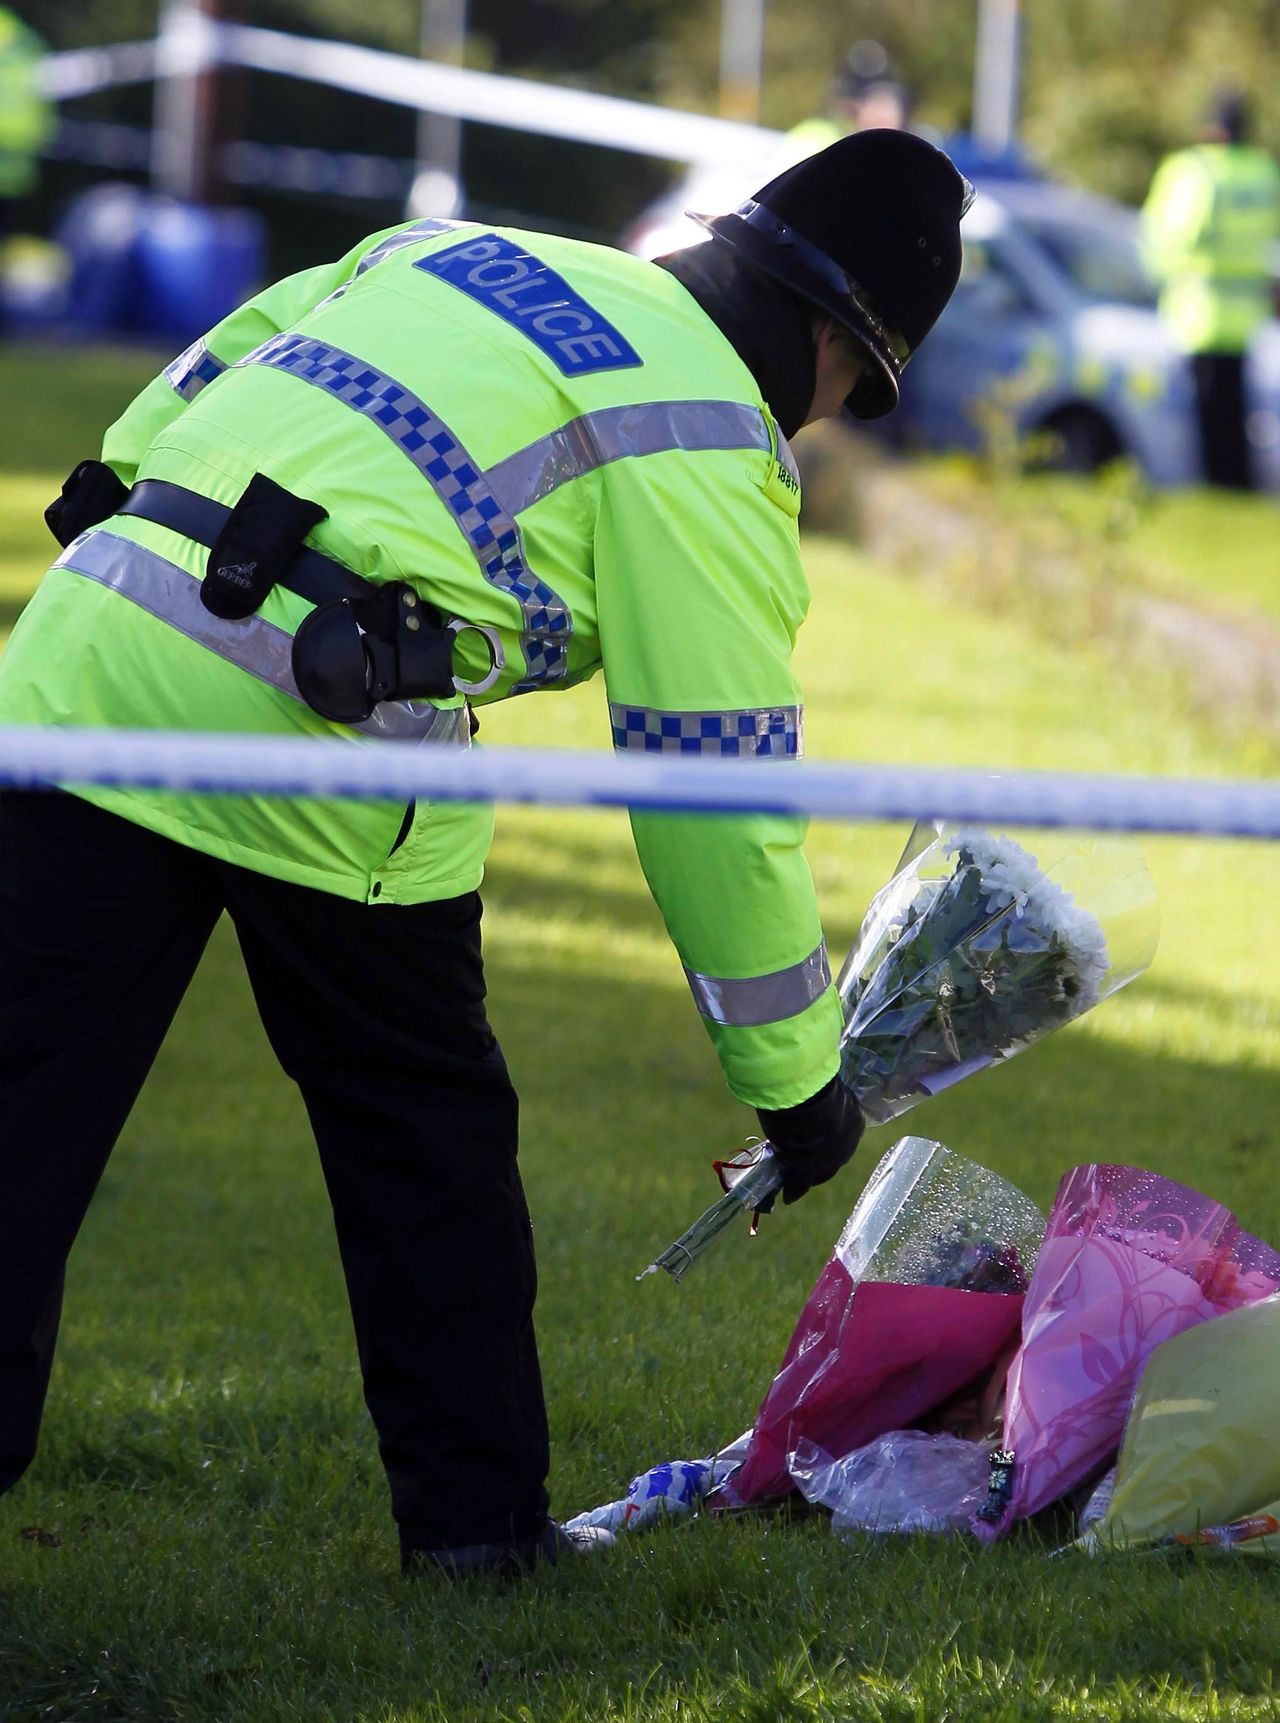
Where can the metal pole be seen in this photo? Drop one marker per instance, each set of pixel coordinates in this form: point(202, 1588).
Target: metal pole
point(183, 136)
point(995, 74)
point(741, 58)
point(437, 187)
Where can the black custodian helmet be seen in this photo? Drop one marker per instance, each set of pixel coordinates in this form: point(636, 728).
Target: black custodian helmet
point(867, 231)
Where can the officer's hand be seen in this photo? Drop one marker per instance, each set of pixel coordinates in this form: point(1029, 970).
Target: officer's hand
point(815, 1139)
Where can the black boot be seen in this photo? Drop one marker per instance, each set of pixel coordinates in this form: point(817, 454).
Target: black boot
point(511, 1560)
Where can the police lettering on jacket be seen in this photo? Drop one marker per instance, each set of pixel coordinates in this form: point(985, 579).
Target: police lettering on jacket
point(519, 288)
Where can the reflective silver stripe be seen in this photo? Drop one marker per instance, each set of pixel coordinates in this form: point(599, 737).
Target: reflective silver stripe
point(594, 439)
point(430, 224)
point(192, 369)
point(762, 998)
point(414, 235)
point(456, 479)
point(168, 592)
point(758, 732)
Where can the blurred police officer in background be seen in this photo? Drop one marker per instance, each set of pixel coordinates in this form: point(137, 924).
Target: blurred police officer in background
point(1210, 226)
point(865, 96)
point(460, 459)
point(26, 117)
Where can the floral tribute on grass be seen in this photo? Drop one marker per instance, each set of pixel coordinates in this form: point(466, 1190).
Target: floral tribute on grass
point(961, 1365)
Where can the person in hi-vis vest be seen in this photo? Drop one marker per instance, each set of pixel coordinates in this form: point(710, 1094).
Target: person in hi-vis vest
point(865, 96)
point(26, 116)
point(1210, 227)
point(462, 464)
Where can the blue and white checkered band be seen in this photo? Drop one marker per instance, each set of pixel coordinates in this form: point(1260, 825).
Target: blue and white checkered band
point(519, 288)
point(492, 534)
point(191, 370)
point(761, 732)
point(424, 229)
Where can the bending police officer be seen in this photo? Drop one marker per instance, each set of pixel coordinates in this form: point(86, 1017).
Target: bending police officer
point(461, 457)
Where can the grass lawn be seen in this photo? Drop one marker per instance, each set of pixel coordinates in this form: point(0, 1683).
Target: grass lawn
point(222, 1546)
point(1211, 548)
point(1214, 546)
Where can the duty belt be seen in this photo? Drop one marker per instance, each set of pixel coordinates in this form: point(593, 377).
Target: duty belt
point(309, 573)
point(357, 629)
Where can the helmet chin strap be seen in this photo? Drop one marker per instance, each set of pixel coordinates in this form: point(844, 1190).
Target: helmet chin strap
point(770, 329)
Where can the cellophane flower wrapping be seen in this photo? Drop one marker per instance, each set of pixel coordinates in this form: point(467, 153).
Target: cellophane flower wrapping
point(921, 1294)
point(903, 1481)
point(1129, 1260)
point(749, 1180)
point(977, 947)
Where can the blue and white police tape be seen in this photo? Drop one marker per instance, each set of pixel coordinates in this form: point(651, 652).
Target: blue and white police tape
point(404, 771)
point(190, 43)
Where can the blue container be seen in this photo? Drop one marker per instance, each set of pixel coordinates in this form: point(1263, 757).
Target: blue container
point(99, 235)
point(194, 265)
point(143, 264)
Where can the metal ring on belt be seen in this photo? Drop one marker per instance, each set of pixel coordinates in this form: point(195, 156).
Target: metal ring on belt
point(497, 656)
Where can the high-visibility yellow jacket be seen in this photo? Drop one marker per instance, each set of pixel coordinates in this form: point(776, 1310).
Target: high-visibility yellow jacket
point(804, 140)
point(26, 118)
point(541, 436)
point(1209, 228)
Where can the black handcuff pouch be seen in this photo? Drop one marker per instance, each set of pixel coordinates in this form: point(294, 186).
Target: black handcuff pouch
point(258, 539)
point(390, 646)
point(91, 493)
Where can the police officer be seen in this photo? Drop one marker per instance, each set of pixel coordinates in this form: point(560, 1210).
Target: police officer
point(865, 96)
point(461, 457)
point(1209, 225)
point(26, 117)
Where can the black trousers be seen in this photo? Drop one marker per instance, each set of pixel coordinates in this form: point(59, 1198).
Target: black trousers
point(377, 1013)
point(1221, 410)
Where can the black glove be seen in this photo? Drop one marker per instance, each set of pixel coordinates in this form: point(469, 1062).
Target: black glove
point(815, 1139)
point(92, 493)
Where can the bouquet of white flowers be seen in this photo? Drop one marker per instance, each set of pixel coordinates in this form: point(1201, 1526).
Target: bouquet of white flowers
point(973, 950)
point(970, 953)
